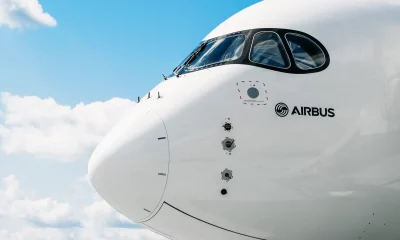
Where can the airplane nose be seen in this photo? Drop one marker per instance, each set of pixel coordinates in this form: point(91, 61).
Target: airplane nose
point(129, 168)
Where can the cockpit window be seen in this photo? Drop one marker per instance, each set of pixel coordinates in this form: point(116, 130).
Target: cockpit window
point(282, 50)
point(268, 50)
point(306, 53)
point(217, 51)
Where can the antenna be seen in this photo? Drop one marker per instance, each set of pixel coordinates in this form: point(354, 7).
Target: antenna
point(148, 95)
point(165, 78)
point(138, 99)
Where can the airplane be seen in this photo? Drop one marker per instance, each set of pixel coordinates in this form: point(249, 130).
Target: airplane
point(282, 124)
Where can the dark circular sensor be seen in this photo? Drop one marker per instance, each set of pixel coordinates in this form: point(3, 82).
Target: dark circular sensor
point(227, 127)
point(224, 192)
point(253, 92)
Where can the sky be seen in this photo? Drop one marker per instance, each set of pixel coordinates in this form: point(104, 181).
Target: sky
point(69, 70)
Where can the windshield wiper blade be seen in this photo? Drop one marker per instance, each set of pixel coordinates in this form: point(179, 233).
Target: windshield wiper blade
point(176, 70)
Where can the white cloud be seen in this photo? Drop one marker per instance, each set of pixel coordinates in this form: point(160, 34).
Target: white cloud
point(60, 234)
point(124, 234)
point(45, 129)
point(100, 214)
point(102, 222)
point(34, 234)
point(47, 219)
point(44, 212)
point(24, 13)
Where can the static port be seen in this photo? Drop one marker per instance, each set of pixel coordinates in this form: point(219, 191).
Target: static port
point(253, 92)
point(224, 192)
point(228, 144)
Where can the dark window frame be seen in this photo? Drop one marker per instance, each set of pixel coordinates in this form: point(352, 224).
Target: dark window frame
point(245, 57)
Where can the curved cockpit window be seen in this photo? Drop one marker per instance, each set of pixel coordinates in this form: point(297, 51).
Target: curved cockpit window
point(221, 50)
point(306, 53)
point(214, 52)
point(282, 50)
point(268, 50)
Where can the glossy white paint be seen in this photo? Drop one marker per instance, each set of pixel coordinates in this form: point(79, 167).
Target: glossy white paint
point(142, 160)
point(297, 177)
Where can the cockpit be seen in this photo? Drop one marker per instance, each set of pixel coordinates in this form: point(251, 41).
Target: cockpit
point(280, 50)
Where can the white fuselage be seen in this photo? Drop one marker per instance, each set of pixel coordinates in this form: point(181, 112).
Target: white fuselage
point(291, 175)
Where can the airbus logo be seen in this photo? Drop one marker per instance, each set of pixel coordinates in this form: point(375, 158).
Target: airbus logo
point(282, 110)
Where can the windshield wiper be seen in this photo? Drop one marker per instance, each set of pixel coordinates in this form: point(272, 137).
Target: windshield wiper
point(176, 70)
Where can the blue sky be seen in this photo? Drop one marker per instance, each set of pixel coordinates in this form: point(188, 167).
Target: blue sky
point(68, 71)
point(103, 49)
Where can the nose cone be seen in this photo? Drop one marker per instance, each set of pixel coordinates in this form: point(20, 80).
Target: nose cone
point(129, 168)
